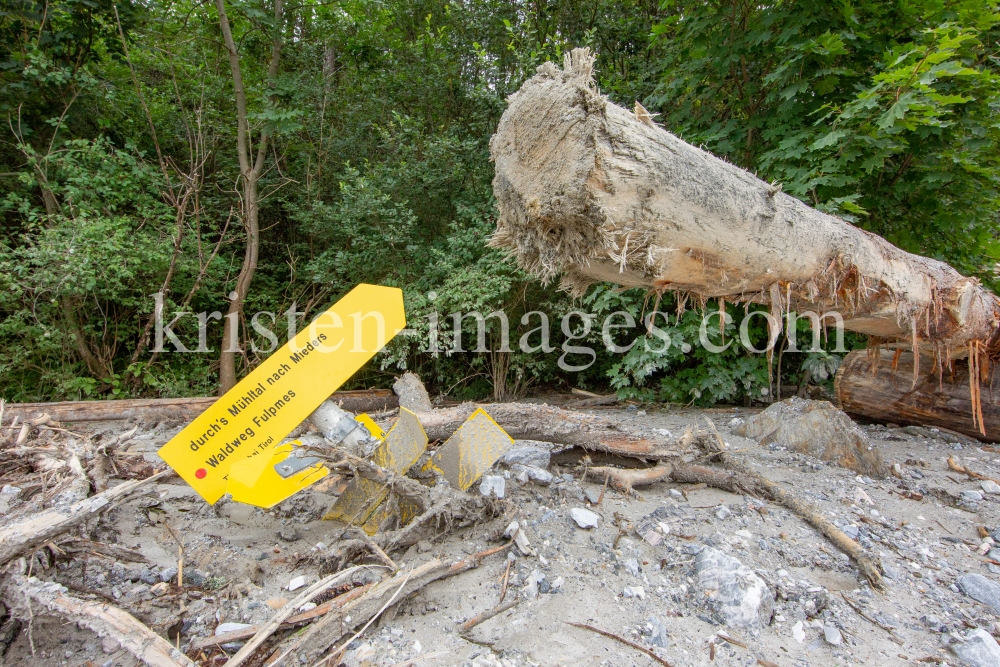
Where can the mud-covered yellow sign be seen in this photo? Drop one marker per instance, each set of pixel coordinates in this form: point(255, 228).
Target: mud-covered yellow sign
point(272, 400)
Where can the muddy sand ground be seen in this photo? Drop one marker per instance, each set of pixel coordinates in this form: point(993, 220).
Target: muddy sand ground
point(238, 559)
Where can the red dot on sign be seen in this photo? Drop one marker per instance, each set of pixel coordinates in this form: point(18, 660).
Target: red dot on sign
point(200, 473)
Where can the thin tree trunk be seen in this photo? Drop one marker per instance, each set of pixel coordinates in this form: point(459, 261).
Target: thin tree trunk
point(594, 192)
point(250, 172)
point(66, 303)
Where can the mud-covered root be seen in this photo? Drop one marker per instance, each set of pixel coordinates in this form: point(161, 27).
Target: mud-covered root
point(440, 508)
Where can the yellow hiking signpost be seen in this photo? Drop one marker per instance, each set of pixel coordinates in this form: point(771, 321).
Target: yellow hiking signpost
point(285, 389)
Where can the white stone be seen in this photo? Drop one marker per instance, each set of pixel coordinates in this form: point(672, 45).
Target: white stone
point(978, 649)
point(634, 592)
point(798, 633)
point(744, 599)
point(223, 628)
point(493, 486)
point(296, 583)
point(989, 486)
point(584, 518)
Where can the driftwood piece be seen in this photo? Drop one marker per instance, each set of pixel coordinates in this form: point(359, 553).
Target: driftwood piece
point(621, 639)
point(28, 597)
point(286, 611)
point(623, 479)
point(489, 613)
point(31, 533)
point(524, 421)
point(323, 634)
point(180, 409)
point(594, 192)
point(291, 621)
point(881, 388)
point(411, 392)
point(958, 467)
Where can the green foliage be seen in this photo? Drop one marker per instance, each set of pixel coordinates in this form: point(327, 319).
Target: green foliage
point(883, 112)
point(670, 363)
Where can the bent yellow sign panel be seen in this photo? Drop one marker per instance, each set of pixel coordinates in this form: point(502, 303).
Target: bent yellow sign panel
point(255, 480)
point(273, 399)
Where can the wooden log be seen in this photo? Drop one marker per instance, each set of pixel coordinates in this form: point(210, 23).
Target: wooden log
point(28, 597)
point(528, 421)
point(593, 192)
point(885, 392)
point(19, 538)
point(181, 409)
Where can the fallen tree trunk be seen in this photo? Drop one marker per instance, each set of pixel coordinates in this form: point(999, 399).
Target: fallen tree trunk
point(181, 409)
point(28, 597)
point(881, 390)
point(527, 421)
point(19, 538)
point(594, 192)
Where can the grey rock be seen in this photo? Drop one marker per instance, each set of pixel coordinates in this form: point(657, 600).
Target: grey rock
point(288, 533)
point(972, 496)
point(149, 577)
point(632, 567)
point(994, 553)
point(978, 649)
point(978, 587)
point(584, 518)
point(723, 513)
point(743, 598)
point(527, 474)
point(493, 486)
point(527, 453)
point(674, 493)
point(533, 586)
point(592, 494)
point(658, 635)
point(819, 429)
point(989, 486)
point(832, 635)
point(168, 573)
point(634, 592)
point(851, 531)
point(195, 578)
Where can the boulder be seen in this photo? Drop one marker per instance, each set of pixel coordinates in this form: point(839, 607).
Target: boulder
point(978, 649)
point(819, 429)
point(978, 587)
point(742, 598)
